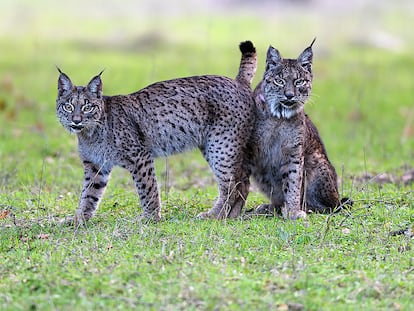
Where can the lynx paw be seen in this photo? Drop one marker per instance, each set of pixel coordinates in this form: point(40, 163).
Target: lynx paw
point(81, 219)
point(215, 213)
point(293, 214)
point(149, 217)
point(265, 210)
point(68, 221)
point(268, 210)
point(206, 215)
point(76, 221)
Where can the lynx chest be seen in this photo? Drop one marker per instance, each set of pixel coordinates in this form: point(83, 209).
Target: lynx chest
point(96, 149)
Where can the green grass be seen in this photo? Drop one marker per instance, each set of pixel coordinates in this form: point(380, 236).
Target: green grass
point(362, 104)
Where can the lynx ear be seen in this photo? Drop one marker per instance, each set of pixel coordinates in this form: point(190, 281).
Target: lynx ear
point(305, 59)
point(273, 58)
point(64, 83)
point(95, 85)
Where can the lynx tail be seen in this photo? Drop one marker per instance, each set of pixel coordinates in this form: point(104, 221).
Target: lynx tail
point(248, 63)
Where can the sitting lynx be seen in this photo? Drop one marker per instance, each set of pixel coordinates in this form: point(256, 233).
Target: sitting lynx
point(290, 164)
point(212, 113)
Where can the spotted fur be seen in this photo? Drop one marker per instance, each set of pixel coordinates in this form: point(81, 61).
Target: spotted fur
point(289, 163)
point(213, 113)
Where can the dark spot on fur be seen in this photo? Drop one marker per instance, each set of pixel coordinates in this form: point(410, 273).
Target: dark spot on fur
point(99, 185)
point(93, 198)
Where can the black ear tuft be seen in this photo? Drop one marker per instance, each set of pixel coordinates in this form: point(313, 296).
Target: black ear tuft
point(306, 58)
point(64, 83)
point(99, 74)
point(95, 86)
point(313, 41)
point(273, 57)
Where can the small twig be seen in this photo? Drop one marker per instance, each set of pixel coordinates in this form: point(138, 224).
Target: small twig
point(328, 225)
point(167, 180)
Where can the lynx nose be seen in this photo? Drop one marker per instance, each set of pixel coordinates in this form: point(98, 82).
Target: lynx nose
point(289, 95)
point(77, 120)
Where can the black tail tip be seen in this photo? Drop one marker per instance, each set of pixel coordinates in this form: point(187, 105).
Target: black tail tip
point(247, 47)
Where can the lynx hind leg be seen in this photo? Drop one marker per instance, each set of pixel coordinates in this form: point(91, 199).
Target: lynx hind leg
point(270, 210)
point(232, 177)
point(231, 199)
point(322, 192)
point(270, 185)
point(236, 196)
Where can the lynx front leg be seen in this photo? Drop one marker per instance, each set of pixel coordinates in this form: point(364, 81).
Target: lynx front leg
point(94, 185)
point(143, 174)
point(292, 180)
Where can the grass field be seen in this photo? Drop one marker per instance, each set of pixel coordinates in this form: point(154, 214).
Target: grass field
point(362, 103)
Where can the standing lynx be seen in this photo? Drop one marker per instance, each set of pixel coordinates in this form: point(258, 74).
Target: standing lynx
point(290, 164)
point(212, 113)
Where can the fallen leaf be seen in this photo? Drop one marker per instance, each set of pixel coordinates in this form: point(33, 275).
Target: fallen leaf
point(282, 307)
point(4, 214)
point(42, 236)
point(3, 104)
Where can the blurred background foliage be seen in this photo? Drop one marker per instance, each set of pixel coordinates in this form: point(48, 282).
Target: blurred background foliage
point(362, 99)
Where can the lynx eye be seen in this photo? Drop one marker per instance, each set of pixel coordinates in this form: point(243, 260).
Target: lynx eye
point(87, 108)
point(279, 82)
point(68, 107)
point(300, 82)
